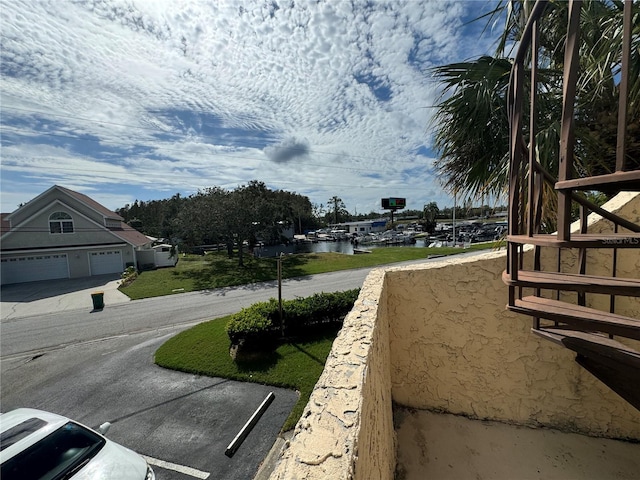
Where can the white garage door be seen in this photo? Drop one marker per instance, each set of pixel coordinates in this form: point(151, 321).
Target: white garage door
point(34, 268)
point(108, 261)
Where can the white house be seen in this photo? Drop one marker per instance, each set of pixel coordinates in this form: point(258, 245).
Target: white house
point(66, 234)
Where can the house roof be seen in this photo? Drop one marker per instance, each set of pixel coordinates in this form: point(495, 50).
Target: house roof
point(81, 197)
point(130, 235)
point(91, 203)
point(5, 225)
point(122, 230)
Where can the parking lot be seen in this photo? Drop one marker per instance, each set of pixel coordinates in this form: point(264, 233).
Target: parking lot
point(181, 422)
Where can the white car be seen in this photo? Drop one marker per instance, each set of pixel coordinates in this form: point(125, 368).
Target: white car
point(38, 445)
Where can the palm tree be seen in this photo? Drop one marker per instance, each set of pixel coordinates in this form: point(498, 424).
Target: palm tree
point(337, 206)
point(471, 125)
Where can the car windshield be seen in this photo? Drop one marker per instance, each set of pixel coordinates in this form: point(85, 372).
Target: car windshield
point(56, 457)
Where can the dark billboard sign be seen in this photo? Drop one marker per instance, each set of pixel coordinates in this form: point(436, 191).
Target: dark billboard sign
point(394, 203)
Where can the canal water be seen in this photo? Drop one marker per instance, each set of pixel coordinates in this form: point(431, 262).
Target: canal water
point(339, 247)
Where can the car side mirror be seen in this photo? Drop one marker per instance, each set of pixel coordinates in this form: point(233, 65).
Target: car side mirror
point(104, 428)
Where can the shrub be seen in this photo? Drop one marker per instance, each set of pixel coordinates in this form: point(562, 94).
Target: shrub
point(128, 276)
point(259, 324)
point(249, 323)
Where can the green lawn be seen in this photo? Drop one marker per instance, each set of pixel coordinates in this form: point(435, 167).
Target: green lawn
point(215, 270)
point(204, 350)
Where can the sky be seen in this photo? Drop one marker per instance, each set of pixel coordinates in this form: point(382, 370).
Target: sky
point(141, 100)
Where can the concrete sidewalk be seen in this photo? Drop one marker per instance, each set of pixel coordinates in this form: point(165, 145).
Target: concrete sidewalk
point(52, 296)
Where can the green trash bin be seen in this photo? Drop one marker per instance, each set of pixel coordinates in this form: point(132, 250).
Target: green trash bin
point(98, 300)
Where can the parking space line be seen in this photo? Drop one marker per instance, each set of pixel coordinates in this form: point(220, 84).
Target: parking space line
point(192, 472)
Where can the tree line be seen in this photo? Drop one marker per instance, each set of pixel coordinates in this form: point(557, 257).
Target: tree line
point(217, 216)
point(253, 213)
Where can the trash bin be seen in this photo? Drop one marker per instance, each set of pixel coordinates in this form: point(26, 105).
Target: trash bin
point(98, 300)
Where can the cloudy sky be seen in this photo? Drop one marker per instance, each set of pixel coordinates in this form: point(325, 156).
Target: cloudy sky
point(143, 99)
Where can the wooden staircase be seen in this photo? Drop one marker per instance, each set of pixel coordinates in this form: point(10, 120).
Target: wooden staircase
point(563, 303)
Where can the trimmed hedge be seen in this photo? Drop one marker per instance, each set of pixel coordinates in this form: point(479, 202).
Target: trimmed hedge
point(259, 324)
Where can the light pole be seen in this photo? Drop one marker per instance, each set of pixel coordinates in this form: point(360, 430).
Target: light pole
point(455, 193)
point(280, 294)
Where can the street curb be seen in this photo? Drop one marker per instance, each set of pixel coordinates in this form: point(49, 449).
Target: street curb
point(274, 455)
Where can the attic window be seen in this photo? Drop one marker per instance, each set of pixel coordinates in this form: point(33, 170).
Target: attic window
point(60, 222)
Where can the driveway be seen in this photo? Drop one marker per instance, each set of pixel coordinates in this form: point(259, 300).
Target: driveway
point(50, 296)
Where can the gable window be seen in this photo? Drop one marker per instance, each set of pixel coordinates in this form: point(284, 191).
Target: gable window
point(60, 222)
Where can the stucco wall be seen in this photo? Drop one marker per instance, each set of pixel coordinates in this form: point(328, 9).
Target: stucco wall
point(600, 261)
point(346, 431)
point(455, 347)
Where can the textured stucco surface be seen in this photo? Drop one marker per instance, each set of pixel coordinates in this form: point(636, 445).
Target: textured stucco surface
point(346, 431)
point(455, 348)
point(600, 261)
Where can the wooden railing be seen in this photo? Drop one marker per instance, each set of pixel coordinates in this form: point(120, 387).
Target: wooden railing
point(532, 189)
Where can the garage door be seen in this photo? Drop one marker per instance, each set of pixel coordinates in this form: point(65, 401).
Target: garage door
point(108, 261)
point(34, 268)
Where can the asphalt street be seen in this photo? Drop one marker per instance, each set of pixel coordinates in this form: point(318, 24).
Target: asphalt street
point(43, 332)
point(97, 366)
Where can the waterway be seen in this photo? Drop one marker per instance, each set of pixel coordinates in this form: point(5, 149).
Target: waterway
point(339, 247)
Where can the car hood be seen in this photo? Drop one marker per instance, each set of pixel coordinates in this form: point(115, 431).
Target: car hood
point(114, 462)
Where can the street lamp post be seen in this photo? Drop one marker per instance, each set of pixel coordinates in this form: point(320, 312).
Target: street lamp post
point(454, 217)
point(280, 294)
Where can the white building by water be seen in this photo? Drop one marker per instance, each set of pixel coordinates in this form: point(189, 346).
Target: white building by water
point(362, 227)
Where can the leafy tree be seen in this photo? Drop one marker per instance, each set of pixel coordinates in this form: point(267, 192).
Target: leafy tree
point(214, 216)
point(155, 217)
point(372, 215)
point(296, 209)
point(473, 159)
point(201, 220)
point(318, 212)
point(257, 212)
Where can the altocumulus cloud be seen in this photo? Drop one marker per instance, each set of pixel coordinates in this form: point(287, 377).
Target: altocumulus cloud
point(132, 99)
